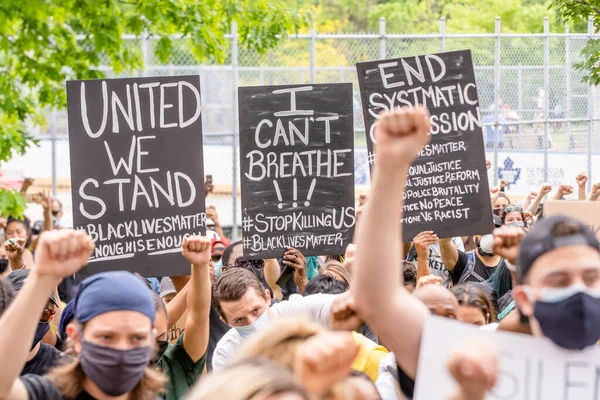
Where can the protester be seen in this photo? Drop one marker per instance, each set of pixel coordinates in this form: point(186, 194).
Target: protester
point(167, 290)
point(426, 251)
point(513, 215)
point(559, 280)
point(18, 237)
point(218, 247)
point(256, 379)
point(183, 362)
point(437, 299)
point(336, 270)
point(42, 357)
point(409, 275)
point(474, 307)
point(244, 304)
point(475, 266)
point(380, 297)
point(4, 267)
point(112, 336)
point(294, 342)
point(325, 284)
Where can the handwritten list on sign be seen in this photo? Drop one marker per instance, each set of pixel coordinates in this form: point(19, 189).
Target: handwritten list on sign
point(297, 159)
point(137, 170)
point(447, 189)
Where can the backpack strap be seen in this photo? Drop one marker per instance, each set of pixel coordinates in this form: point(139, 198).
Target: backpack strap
point(470, 269)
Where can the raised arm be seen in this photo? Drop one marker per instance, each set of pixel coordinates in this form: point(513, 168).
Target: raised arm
point(563, 190)
point(60, 254)
point(177, 305)
point(211, 212)
point(422, 242)
point(595, 193)
point(449, 253)
point(379, 294)
point(196, 251)
point(533, 206)
point(581, 180)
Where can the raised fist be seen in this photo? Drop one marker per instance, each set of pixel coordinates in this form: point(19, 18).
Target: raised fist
point(507, 242)
point(196, 249)
point(565, 190)
point(400, 134)
point(61, 253)
point(581, 179)
point(474, 366)
point(503, 183)
point(545, 189)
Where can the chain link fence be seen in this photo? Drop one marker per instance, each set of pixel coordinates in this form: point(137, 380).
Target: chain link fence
point(540, 120)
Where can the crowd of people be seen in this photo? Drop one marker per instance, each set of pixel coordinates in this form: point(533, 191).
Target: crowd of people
point(342, 327)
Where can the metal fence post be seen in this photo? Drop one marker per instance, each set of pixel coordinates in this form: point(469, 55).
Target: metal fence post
point(546, 93)
point(590, 110)
point(234, 147)
point(382, 38)
point(53, 144)
point(568, 83)
point(313, 54)
point(496, 98)
point(442, 34)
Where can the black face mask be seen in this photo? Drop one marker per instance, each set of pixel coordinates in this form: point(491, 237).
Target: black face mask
point(497, 212)
point(3, 265)
point(55, 213)
point(161, 347)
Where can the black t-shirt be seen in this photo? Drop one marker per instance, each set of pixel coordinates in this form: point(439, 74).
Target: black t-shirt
point(217, 329)
point(407, 385)
point(40, 388)
point(46, 359)
point(479, 268)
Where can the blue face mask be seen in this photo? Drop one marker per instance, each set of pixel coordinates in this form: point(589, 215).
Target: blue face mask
point(570, 316)
point(218, 267)
point(260, 323)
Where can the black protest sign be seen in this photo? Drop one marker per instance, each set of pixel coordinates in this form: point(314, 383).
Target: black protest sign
point(447, 189)
point(297, 169)
point(136, 170)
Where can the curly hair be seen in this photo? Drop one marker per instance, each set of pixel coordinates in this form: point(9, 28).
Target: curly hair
point(7, 294)
point(503, 214)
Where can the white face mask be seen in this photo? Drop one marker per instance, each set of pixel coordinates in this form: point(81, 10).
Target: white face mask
point(487, 244)
point(260, 323)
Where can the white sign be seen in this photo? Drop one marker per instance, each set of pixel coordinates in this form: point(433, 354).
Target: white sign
point(529, 368)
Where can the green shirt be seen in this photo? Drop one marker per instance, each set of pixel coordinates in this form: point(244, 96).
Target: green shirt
point(181, 370)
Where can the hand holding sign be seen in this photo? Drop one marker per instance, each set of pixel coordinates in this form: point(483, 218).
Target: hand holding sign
point(422, 242)
point(401, 134)
point(196, 250)
point(61, 253)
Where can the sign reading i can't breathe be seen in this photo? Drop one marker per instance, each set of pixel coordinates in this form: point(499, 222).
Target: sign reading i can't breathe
point(297, 160)
point(137, 170)
point(447, 189)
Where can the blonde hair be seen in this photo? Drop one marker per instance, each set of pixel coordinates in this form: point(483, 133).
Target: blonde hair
point(254, 379)
point(280, 342)
point(69, 379)
point(337, 268)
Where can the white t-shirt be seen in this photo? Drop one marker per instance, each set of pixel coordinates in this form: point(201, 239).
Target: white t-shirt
point(315, 307)
point(436, 266)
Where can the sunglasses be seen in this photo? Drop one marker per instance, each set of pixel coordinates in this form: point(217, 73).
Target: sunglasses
point(509, 209)
point(256, 265)
point(47, 315)
point(216, 257)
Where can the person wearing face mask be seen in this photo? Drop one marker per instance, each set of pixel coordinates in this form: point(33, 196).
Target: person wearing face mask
point(513, 216)
point(474, 266)
point(217, 256)
point(244, 304)
point(42, 357)
point(184, 361)
point(112, 332)
point(558, 270)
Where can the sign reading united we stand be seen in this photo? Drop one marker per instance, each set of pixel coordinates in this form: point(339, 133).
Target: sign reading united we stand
point(297, 169)
point(137, 170)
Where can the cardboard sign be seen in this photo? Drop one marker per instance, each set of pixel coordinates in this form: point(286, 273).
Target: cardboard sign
point(529, 367)
point(447, 189)
point(587, 212)
point(137, 171)
point(297, 169)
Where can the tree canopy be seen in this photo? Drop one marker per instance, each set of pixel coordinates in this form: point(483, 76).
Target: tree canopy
point(44, 43)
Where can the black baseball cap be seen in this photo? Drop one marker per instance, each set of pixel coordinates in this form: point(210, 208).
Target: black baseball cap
point(497, 221)
point(18, 278)
point(541, 239)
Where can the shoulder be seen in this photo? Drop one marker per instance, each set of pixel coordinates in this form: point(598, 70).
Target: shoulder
point(40, 387)
point(226, 348)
